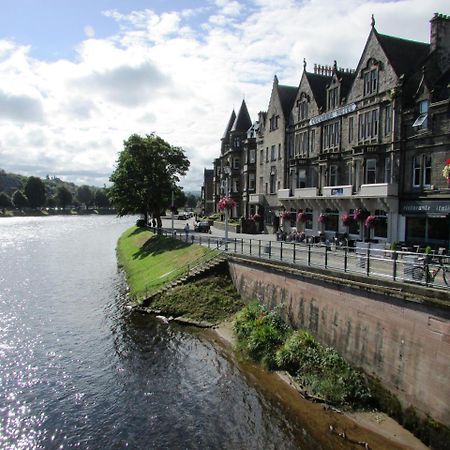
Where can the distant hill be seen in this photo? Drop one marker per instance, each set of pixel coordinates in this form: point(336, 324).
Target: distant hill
point(11, 182)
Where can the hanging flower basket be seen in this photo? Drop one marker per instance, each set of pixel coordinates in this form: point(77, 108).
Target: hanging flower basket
point(256, 217)
point(302, 217)
point(226, 203)
point(347, 219)
point(360, 215)
point(446, 171)
point(323, 218)
point(285, 215)
point(370, 221)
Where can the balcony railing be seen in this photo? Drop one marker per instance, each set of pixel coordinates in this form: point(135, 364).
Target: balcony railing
point(307, 192)
point(337, 191)
point(378, 190)
point(284, 194)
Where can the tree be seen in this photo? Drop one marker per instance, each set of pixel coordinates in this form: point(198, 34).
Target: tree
point(179, 199)
point(51, 202)
point(63, 197)
point(147, 170)
point(191, 201)
point(5, 201)
point(35, 192)
point(101, 199)
point(84, 195)
point(19, 200)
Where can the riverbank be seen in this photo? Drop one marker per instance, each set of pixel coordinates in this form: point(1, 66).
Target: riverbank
point(202, 300)
point(52, 212)
point(376, 429)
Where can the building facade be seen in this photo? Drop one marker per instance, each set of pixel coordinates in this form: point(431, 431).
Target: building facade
point(372, 141)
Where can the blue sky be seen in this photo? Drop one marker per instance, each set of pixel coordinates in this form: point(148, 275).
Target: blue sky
point(78, 77)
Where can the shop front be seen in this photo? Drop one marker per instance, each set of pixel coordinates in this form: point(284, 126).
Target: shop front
point(427, 222)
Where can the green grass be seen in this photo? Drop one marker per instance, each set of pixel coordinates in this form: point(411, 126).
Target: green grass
point(150, 260)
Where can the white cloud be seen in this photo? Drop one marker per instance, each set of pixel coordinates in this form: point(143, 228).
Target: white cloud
point(178, 74)
point(89, 31)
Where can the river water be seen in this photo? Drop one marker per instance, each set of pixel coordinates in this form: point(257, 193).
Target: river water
point(79, 370)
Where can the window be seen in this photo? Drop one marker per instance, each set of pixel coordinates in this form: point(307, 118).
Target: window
point(301, 178)
point(273, 183)
point(235, 185)
point(332, 222)
point(312, 139)
point(302, 110)
point(252, 156)
point(333, 176)
point(267, 154)
point(251, 181)
point(368, 125)
point(261, 156)
point(333, 98)
point(261, 184)
point(370, 81)
point(350, 129)
point(279, 151)
point(267, 188)
point(272, 153)
point(380, 224)
point(302, 140)
point(309, 219)
point(421, 123)
point(236, 163)
point(354, 225)
point(371, 171)
point(388, 120)
point(422, 171)
point(331, 135)
point(387, 169)
point(349, 173)
point(273, 122)
point(237, 142)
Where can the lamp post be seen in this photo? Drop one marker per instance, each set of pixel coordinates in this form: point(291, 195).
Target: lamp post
point(172, 209)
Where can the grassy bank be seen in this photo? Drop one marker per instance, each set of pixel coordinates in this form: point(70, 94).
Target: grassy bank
point(150, 260)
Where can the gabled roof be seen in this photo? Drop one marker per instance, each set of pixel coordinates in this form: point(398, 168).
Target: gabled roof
point(231, 120)
point(403, 54)
point(318, 84)
point(346, 80)
point(242, 121)
point(287, 96)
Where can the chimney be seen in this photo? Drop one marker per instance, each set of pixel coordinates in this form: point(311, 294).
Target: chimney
point(440, 40)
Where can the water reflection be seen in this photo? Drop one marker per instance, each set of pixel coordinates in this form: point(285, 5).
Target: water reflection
point(80, 370)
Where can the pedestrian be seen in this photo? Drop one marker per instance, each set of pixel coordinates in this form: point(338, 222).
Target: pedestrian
point(186, 230)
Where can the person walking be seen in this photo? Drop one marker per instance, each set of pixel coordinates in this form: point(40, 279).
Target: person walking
point(186, 230)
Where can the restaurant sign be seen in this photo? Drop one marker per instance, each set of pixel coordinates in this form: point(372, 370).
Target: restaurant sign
point(425, 207)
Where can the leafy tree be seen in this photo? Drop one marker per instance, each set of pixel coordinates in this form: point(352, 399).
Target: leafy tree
point(191, 201)
point(51, 202)
point(19, 200)
point(35, 192)
point(101, 199)
point(147, 171)
point(5, 201)
point(63, 197)
point(179, 199)
point(85, 195)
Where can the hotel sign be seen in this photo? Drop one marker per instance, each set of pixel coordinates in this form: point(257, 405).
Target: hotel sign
point(333, 114)
point(425, 207)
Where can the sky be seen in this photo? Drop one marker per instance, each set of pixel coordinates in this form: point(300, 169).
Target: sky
point(77, 78)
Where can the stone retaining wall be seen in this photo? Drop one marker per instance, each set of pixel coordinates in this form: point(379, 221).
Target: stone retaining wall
point(405, 343)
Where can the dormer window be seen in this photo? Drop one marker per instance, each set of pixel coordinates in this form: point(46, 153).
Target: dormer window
point(421, 123)
point(273, 122)
point(302, 109)
point(333, 97)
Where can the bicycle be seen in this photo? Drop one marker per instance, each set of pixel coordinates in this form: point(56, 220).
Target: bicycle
point(429, 271)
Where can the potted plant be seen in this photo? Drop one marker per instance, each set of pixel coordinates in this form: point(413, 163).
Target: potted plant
point(347, 219)
point(322, 218)
point(370, 221)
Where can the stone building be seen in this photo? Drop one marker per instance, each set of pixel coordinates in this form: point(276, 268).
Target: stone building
point(374, 138)
point(207, 192)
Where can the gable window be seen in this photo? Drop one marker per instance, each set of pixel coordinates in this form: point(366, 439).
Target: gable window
point(273, 122)
point(302, 110)
point(371, 171)
point(370, 78)
point(333, 97)
point(237, 142)
point(421, 123)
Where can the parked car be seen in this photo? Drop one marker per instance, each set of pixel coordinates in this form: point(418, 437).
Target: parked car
point(202, 227)
point(183, 216)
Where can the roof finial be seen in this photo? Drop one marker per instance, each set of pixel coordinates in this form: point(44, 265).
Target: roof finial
point(304, 63)
point(335, 68)
point(275, 80)
point(372, 23)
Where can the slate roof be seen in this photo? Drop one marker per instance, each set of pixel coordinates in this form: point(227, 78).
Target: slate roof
point(287, 96)
point(242, 121)
point(404, 55)
point(318, 85)
point(346, 79)
point(226, 134)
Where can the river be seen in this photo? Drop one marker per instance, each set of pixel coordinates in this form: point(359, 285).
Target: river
point(79, 370)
